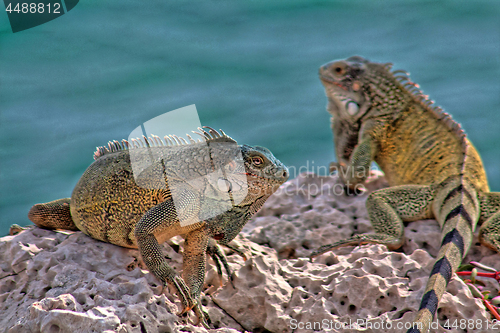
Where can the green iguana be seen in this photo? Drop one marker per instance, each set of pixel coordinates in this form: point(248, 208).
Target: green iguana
point(432, 168)
point(109, 205)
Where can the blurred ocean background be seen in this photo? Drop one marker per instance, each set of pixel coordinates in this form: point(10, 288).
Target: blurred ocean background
point(99, 71)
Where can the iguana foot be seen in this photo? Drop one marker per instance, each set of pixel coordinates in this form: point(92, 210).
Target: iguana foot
point(202, 317)
point(342, 170)
point(214, 250)
point(357, 190)
point(16, 229)
point(182, 290)
point(241, 253)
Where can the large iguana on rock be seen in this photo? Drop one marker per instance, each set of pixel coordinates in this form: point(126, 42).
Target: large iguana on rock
point(433, 170)
point(111, 204)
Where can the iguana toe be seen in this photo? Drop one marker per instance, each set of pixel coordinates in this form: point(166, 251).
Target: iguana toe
point(16, 229)
point(182, 289)
point(202, 317)
point(348, 191)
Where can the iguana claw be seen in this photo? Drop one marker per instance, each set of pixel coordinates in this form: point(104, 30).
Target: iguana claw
point(16, 229)
point(342, 170)
point(189, 303)
point(353, 192)
point(241, 253)
point(218, 257)
point(202, 317)
point(182, 289)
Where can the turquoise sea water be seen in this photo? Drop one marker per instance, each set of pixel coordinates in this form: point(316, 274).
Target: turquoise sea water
point(97, 72)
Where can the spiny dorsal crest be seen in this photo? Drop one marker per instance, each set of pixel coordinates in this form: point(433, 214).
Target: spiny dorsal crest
point(168, 141)
point(403, 77)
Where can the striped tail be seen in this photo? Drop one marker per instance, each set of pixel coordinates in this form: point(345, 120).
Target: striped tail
point(53, 215)
point(456, 208)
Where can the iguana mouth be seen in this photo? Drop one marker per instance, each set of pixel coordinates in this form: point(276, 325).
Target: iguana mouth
point(251, 174)
point(332, 81)
point(338, 95)
point(326, 79)
point(263, 178)
point(329, 80)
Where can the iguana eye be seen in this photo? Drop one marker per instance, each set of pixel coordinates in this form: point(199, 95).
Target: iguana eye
point(339, 69)
point(257, 160)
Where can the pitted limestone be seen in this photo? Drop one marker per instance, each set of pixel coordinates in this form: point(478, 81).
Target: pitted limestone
point(77, 283)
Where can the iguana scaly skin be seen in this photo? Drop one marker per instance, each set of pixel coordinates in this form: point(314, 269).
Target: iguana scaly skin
point(108, 204)
point(434, 172)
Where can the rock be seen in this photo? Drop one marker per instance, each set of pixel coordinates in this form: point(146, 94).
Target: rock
point(260, 298)
point(55, 282)
point(308, 212)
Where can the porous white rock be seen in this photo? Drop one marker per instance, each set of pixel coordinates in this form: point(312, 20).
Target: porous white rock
point(307, 212)
point(54, 282)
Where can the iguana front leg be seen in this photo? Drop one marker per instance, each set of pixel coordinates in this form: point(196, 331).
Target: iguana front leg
point(358, 169)
point(346, 136)
point(387, 209)
point(194, 267)
point(157, 220)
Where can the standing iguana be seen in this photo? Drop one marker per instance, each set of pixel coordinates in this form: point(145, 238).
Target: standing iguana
point(432, 168)
point(111, 204)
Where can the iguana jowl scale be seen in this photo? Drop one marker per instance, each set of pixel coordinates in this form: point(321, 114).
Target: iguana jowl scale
point(109, 205)
point(433, 169)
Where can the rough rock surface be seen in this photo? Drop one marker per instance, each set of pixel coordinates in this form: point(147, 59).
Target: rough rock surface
point(54, 282)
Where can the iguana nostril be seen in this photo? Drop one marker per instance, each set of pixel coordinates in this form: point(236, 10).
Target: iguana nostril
point(325, 67)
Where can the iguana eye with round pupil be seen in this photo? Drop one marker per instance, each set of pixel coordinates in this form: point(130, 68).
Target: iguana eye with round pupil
point(257, 161)
point(339, 70)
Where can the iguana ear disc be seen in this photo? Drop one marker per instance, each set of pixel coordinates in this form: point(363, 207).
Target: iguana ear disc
point(352, 108)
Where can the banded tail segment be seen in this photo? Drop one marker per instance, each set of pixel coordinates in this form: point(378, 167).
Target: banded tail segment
point(53, 215)
point(456, 208)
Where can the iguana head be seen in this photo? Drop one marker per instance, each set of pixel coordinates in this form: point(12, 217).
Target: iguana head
point(355, 86)
point(343, 81)
point(265, 173)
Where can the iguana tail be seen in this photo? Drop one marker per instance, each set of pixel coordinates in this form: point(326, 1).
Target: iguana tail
point(52, 215)
point(456, 208)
